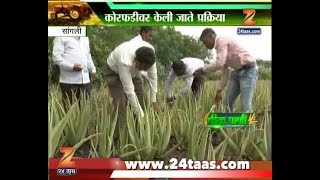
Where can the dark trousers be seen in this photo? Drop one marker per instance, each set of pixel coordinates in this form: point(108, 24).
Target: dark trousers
point(119, 97)
point(71, 91)
point(197, 84)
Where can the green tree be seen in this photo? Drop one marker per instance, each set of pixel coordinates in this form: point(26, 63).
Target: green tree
point(170, 45)
point(264, 63)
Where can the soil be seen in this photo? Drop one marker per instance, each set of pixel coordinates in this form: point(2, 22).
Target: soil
point(83, 151)
point(179, 153)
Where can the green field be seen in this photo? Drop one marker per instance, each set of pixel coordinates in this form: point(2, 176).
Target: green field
point(175, 132)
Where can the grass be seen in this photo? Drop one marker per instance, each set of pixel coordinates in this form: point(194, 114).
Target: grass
point(174, 132)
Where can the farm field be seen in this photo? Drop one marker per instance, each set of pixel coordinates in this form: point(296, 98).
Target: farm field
point(175, 132)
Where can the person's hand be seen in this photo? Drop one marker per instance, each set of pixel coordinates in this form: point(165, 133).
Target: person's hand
point(77, 67)
point(93, 76)
point(198, 72)
point(218, 98)
point(156, 107)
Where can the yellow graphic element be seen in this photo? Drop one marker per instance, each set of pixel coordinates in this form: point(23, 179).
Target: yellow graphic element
point(205, 118)
point(251, 119)
point(71, 13)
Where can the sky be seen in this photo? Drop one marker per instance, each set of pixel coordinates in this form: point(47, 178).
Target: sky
point(258, 45)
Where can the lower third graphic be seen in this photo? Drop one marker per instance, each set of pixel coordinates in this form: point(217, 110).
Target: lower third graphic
point(221, 120)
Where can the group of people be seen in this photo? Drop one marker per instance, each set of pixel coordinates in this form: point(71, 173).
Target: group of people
point(127, 60)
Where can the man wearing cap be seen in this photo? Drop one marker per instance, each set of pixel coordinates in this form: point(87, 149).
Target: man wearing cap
point(230, 54)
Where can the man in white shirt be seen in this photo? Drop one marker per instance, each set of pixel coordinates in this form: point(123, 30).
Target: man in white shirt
point(185, 68)
point(124, 80)
point(72, 55)
point(146, 34)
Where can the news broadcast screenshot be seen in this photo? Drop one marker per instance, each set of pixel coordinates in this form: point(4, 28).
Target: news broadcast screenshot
point(161, 89)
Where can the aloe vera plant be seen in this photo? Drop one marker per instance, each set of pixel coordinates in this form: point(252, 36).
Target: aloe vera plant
point(158, 136)
point(57, 122)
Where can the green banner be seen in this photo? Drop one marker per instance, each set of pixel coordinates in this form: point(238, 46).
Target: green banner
point(221, 120)
point(201, 14)
point(184, 18)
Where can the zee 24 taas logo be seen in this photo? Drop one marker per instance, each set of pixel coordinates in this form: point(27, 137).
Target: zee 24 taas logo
point(248, 21)
point(66, 166)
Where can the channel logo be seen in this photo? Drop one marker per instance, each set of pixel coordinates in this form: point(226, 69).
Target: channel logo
point(248, 20)
point(66, 166)
point(249, 31)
